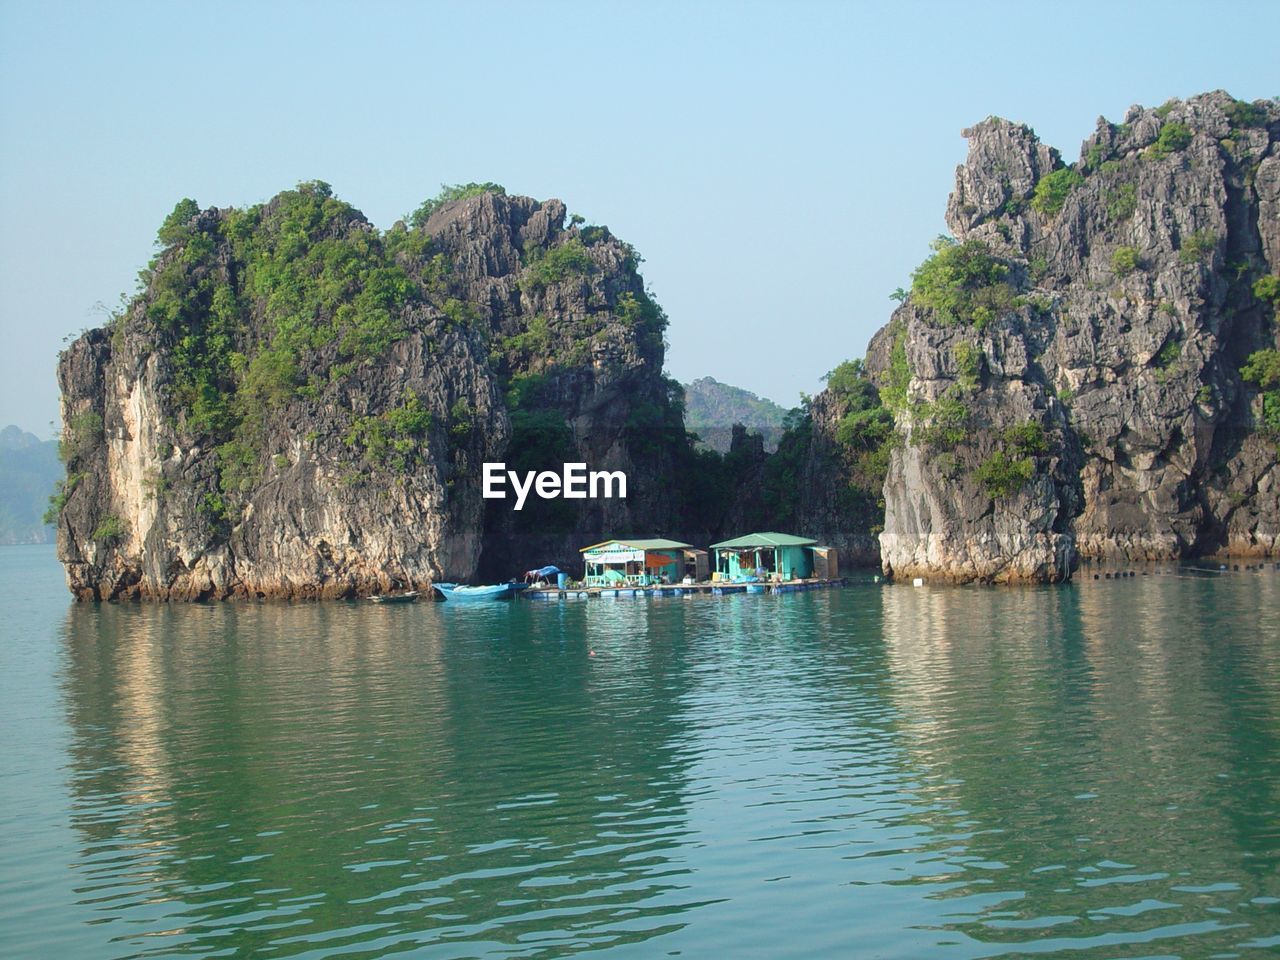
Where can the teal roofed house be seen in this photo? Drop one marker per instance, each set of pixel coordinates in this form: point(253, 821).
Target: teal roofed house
point(773, 556)
point(642, 562)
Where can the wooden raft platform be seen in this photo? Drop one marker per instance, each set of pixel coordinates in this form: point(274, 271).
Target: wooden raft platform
point(679, 590)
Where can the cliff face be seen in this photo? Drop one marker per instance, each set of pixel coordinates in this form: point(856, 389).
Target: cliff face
point(577, 344)
point(296, 405)
point(983, 484)
point(1065, 377)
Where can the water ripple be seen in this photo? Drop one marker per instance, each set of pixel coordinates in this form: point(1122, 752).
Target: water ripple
point(1093, 771)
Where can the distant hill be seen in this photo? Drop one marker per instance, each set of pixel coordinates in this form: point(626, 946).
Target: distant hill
point(29, 469)
point(712, 408)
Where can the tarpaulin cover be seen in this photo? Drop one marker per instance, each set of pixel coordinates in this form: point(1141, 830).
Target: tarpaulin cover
point(656, 560)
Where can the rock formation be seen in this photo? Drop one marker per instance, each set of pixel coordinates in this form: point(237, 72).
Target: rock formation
point(295, 405)
point(576, 343)
point(1065, 375)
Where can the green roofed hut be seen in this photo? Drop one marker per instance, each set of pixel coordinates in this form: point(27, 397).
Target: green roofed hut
point(774, 556)
point(642, 562)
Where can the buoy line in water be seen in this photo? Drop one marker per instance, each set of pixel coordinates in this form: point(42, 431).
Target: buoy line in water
point(1190, 573)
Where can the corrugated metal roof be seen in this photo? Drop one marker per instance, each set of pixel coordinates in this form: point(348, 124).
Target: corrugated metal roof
point(764, 540)
point(653, 544)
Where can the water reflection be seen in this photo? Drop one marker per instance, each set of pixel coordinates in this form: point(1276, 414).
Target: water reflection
point(893, 772)
point(280, 777)
point(1103, 786)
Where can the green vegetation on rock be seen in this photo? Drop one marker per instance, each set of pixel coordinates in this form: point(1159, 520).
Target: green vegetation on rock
point(963, 283)
point(546, 267)
point(1198, 247)
point(249, 299)
point(643, 314)
point(1244, 114)
point(1052, 190)
point(1168, 355)
point(462, 419)
point(82, 434)
point(1124, 260)
point(944, 423)
point(1267, 289)
point(1002, 475)
point(1263, 369)
point(1027, 439)
point(1173, 137)
point(110, 529)
point(865, 436)
point(58, 499)
point(866, 429)
point(535, 340)
point(540, 438)
point(968, 366)
point(320, 277)
point(1012, 464)
point(656, 425)
point(1096, 156)
point(897, 380)
point(849, 457)
point(394, 438)
point(1122, 202)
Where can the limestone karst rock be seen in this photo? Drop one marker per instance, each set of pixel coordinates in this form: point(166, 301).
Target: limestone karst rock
point(297, 405)
point(1119, 311)
point(1065, 374)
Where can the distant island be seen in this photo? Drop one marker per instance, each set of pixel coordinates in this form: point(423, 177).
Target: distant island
point(29, 471)
point(296, 404)
point(711, 409)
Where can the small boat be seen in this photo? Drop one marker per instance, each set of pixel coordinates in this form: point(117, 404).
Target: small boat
point(453, 591)
point(409, 597)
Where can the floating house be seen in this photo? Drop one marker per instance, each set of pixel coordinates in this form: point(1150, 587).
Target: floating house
point(642, 562)
point(774, 556)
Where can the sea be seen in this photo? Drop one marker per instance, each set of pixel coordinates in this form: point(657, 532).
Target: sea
point(881, 771)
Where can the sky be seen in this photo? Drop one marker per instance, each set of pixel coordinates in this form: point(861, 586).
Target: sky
point(781, 167)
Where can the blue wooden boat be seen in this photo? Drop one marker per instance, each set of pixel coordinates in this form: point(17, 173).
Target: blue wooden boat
point(454, 591)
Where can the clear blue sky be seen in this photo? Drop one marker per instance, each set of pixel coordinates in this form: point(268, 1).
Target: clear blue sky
point(781, 167)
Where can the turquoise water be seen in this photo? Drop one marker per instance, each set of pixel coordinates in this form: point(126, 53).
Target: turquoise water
point(1091, 771)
